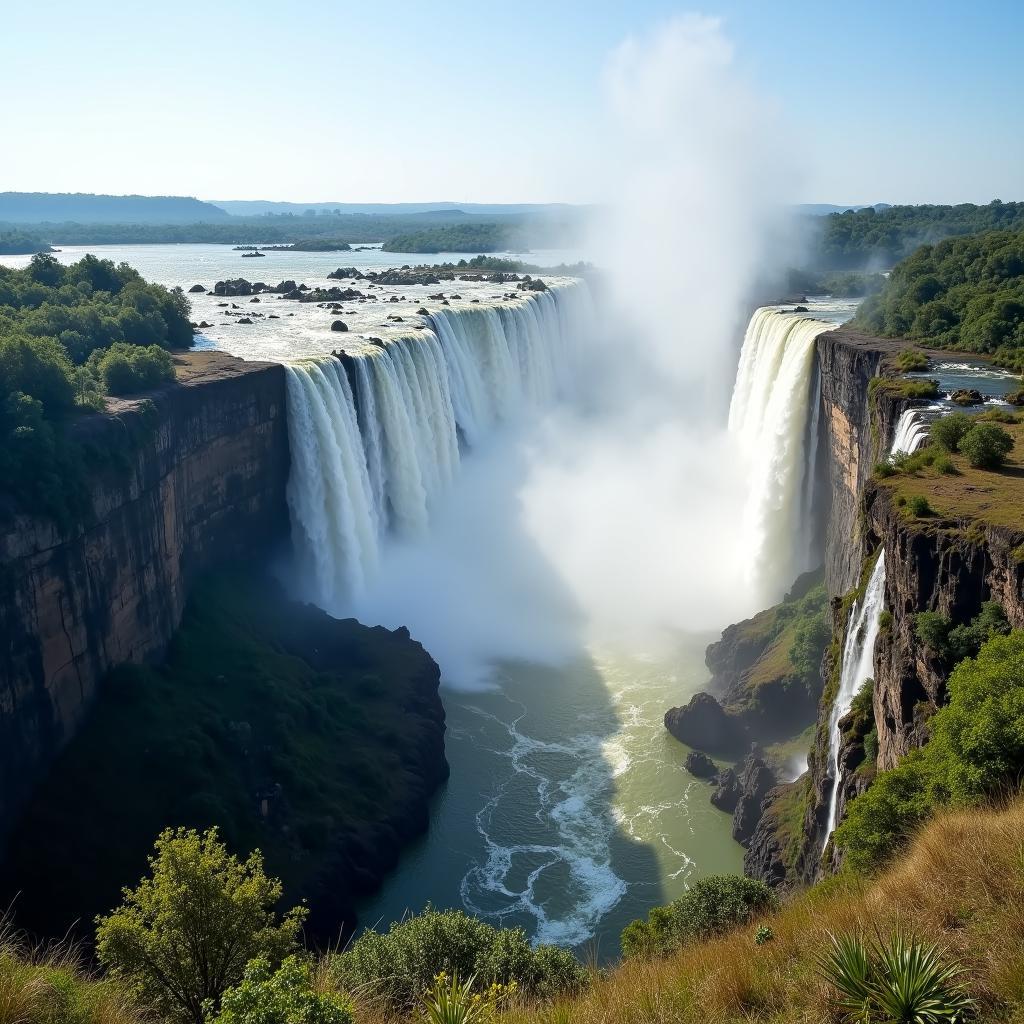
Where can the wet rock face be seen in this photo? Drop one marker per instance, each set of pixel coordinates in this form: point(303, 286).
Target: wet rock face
point(848, 361)
point(727, 791)
point(700, 765)
point(204, 484)
point(755, 781)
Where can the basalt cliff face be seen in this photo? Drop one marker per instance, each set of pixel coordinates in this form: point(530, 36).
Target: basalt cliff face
point(199, 479)
point(855, 431)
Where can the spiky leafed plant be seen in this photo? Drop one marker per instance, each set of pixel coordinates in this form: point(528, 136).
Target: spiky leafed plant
point(450, 1001)
point(901, 981)
point(848, 966)
point(919, 987)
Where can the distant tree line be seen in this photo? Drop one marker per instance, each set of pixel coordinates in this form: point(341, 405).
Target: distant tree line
point(69, 335)
point(964, 293)
point(878, 239)
point(19, 243)
point(479, 238)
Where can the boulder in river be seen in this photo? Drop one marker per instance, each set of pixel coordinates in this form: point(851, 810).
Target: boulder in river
point(967, 396)
point(197, 288)
point(705, 725)
point(339, 325)
point(700, 765)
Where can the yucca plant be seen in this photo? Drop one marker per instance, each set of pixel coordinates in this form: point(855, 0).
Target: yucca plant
point(919, 988)
point(902, 981)
point(450, 1001)
point(847, 966)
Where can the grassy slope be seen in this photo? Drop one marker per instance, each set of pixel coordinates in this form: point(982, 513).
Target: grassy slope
point(989, 497)
point(961, 885)
point(260, 698)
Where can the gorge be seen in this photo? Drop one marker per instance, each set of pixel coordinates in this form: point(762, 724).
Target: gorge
point(359, 476)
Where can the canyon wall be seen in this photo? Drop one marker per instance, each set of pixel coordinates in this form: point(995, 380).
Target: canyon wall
point(198, 478)
point(852, 442)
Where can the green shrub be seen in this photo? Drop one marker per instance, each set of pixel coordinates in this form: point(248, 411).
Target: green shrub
point(911, 359)
point(885, 470)
point(186, 933)
point(986, 445)
point(948, 431)
point(711, 906)
point(943, 464)
point(918, 504)
point(126, 369)
point(401, 965)
point(763, 935)
point(285, 996)
point(976, 749)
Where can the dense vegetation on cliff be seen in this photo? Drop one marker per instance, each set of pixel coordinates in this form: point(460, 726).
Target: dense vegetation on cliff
point(68, 336)
point(877, 239)
point(315, 739)
point(964, 293)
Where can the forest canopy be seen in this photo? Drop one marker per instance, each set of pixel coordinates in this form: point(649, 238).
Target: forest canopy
point(478, 238)
point(964, 293)
point(69, 335)
point(878, 239)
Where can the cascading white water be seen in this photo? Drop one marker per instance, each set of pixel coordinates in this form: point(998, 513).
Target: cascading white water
point(372, 461)
point(769, 418)
point(911, 431)
point(855, 671)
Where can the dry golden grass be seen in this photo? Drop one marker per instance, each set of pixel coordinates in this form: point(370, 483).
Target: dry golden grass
point(961, 885)
point(50, 985)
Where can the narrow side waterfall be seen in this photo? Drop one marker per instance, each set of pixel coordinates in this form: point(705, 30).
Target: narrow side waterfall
point(856, 670)
point(774, 417)
point(911, 431)
point(375, 440)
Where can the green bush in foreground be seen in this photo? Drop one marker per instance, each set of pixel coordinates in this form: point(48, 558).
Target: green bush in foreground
point(285, 996)
point(711, 906)
point(976, 749)
point(186, 933)
point(401, 965)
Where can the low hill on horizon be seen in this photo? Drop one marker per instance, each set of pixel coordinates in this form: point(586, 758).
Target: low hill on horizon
point(89, 208)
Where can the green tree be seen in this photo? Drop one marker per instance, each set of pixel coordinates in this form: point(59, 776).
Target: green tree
point(184, 935)
point(948, 431)
point(285, 996)
point(986, 445)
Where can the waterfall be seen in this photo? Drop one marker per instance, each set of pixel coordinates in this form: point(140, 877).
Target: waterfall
point(776, 386)
point(911, 431)
point(856, 670)
point(372, 454)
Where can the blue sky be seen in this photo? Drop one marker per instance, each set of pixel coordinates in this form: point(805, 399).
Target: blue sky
point(468, 101)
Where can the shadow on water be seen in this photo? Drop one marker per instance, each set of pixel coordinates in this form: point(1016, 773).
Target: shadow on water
point(568, 812)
